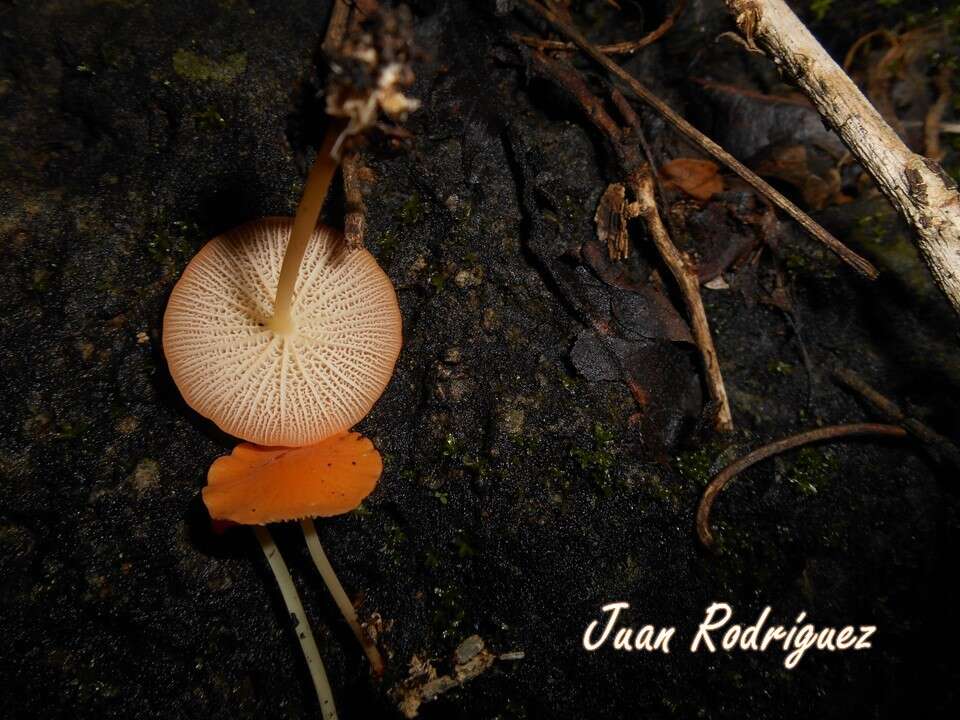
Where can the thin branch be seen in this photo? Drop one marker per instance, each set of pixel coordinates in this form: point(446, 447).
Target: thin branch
point(356, 183)
point(686, 276)
point(633, 119)
point(300, 624)
point(938, 445)
point(679, 264)
point(879, 402)
point(858, 263)
point(775, 448)
point(562, 73)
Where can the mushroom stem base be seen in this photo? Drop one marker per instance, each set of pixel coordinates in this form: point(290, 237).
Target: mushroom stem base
point(340, 596)
point(292, 600)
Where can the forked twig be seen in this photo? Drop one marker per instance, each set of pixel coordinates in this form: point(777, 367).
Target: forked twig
point(762, 453)
point(685, 274)
point(639, 177)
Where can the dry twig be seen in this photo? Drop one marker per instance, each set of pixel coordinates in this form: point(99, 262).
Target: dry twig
point(860, 264)
point(940, 447)
point(357, 179)
point(916, 186)
point(685, 273)
point(564, 75)
point(775, 448)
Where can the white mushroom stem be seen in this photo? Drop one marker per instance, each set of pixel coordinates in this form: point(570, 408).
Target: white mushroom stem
point(915, 186)
point(308, 212)
point(292, 600)
point(339, 595)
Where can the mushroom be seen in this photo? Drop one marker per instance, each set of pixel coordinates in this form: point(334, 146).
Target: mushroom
point(292, 382)
point(256, 485)
point(285, 340)
point(287, 380)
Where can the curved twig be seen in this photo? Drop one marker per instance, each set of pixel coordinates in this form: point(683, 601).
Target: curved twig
point(762, 453)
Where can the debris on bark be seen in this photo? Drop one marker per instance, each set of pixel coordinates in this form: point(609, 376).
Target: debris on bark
point(423, 683)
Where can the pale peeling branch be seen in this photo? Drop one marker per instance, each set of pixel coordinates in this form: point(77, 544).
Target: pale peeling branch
point(916, 186)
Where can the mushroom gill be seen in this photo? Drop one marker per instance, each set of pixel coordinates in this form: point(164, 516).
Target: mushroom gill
point(293, 385)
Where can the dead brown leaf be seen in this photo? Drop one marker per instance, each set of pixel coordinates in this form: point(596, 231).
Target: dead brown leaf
point(611, 218)
point(700, 179)
point(792, 164)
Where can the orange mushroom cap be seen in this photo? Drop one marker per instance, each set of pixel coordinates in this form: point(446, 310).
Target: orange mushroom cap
point(290, 388)
point(256, 485)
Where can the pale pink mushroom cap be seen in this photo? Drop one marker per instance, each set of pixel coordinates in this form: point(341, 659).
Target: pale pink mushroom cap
point(270, 388)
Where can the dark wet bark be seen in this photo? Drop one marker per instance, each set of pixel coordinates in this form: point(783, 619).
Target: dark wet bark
point(543, 437)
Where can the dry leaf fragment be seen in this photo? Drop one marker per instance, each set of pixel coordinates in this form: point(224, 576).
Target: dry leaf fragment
point(613, 213)
point(700, 179)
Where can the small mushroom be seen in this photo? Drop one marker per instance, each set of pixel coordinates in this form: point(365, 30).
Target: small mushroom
point(292, 383)
point(283, 338)
point(290, 372)
point(255, 485)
